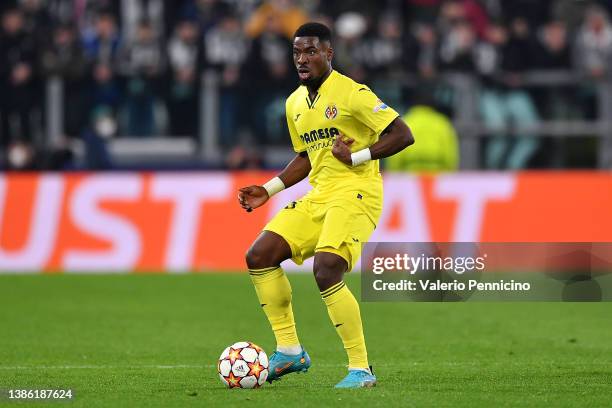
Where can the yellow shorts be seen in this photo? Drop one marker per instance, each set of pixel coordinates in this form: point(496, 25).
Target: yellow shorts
point(338, 227)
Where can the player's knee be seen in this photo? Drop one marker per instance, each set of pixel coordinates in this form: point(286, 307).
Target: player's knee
point(267, 250)
point(262, 256)
point(256, 257)
point(328, 269)
point(325, 279)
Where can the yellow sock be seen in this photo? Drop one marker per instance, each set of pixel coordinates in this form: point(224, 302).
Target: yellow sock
point(343, 310)
point(274, 293)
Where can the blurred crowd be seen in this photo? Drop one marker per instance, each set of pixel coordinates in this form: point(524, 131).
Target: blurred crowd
point(134, 67)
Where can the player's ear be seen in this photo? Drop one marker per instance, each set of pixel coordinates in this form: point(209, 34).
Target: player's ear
point(330, 54)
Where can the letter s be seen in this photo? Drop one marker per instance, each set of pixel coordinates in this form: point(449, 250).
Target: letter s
point(125, 238)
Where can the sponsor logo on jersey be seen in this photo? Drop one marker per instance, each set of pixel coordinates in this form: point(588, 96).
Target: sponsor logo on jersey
point(331, 112)
point(319, 134)
point(380, 105)
point(318, 139)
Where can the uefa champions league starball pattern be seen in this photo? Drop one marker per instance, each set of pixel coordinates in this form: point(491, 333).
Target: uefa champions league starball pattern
point(243, 365)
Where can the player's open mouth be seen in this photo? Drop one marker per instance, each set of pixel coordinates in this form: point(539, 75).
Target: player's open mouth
point(303, 73)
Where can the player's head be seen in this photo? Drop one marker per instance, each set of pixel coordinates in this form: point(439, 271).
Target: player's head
point(312, 52)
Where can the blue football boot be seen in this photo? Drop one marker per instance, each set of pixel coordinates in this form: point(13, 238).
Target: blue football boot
point(358, 379)
point(282, 364)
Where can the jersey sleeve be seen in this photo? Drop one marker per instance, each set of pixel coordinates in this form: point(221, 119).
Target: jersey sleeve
point(370, 110)
point(297, 143)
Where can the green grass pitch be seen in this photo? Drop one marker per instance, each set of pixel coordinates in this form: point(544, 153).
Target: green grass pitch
point(154, 340)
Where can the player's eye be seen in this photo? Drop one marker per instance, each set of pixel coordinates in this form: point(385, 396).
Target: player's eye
point(311, 52)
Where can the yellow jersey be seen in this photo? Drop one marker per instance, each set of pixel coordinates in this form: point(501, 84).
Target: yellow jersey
point(341, 106)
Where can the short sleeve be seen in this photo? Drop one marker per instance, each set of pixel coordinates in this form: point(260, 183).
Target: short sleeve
point(297, 143)
point(370, 110)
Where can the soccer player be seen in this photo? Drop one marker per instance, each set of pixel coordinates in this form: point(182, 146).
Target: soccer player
point(339, 130)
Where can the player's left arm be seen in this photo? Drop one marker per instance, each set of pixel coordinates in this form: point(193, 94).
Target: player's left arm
point(393, 139)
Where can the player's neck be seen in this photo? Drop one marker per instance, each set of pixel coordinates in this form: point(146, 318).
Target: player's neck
point(312, 89)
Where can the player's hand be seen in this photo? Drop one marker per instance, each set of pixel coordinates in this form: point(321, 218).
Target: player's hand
point(252, 197)
point(342, 149)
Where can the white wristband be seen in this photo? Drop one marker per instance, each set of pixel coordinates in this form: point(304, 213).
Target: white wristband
point(361, 156)
point(273, 186)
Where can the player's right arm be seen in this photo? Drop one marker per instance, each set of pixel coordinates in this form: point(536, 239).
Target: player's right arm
point(255, 196)
point(296, 171)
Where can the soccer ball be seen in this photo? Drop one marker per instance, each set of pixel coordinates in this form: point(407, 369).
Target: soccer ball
point(243, 365)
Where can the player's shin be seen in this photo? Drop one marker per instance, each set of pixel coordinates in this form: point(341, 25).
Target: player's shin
point(344, 312)
point(274, 293)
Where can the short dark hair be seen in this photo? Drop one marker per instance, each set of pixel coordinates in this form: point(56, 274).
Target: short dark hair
point(314, 30)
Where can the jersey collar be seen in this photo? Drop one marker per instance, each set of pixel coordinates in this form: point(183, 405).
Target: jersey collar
point(328, 81)
point(325, 84)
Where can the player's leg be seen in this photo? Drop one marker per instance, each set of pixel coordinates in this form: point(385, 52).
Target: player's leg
point(291, 234)
point(342, 306)
point(336, 253)
point(273, 288)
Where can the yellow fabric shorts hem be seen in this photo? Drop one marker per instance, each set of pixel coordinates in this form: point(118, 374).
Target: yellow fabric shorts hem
point(338, 227)
point(343, 252)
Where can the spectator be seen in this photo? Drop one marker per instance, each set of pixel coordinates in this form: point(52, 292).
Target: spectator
point(552, 52)
point(134, 12)
point(288, 15)
point(184, 58)
point(105, 90)
point(63, 57)
point(457, 48)
point(18, 88)
point(476, 15)
point(503, 102)
point(269, 76)
point(142, 64)
point(37, 21)
point(210, 12)
point(101, 48)
point(470, 11)
point(225, 50)
point(427, 43)
point(382, 52)
point(533, 12)
point(108, 60)
point(436, 148)
point(82, 13)
point(350, 30)
point(61, 11)
point(385, 55)
point(593, 49)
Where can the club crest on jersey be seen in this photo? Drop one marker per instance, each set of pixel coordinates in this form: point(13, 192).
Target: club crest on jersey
point(380, 106)
point(331, 112)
